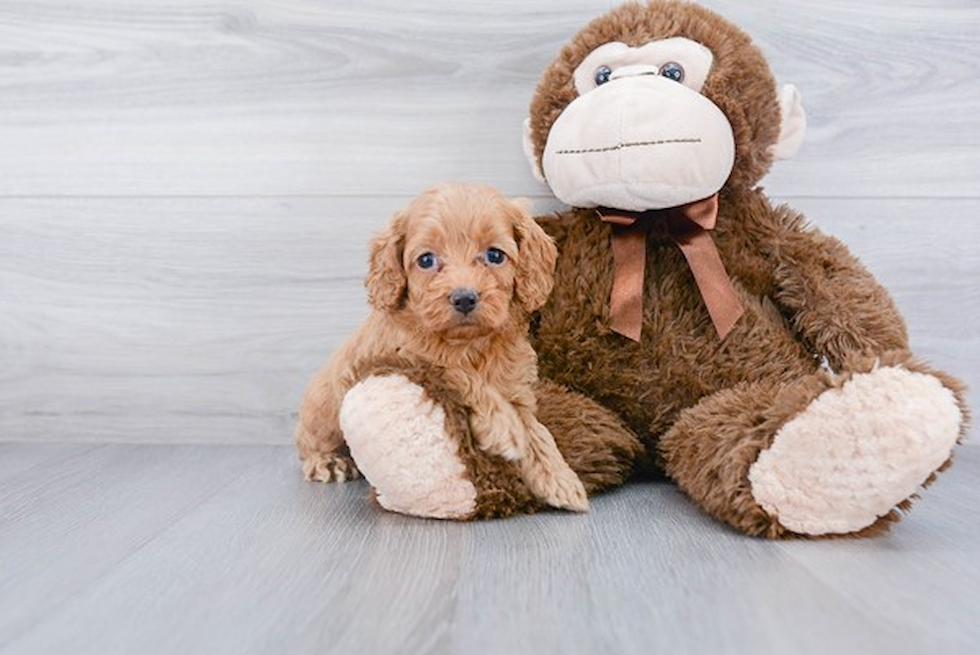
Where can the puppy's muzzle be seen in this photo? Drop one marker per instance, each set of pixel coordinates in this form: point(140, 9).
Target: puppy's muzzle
point(464, 301)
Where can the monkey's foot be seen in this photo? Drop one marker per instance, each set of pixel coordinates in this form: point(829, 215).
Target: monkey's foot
point(399, 440)
point(857, 452)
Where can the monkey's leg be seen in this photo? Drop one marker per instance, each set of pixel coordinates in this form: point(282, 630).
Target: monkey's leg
point(409, 433)
point(826, 455)
point(593, 440)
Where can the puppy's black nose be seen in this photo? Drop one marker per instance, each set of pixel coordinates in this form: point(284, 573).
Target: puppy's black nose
point(463, 300)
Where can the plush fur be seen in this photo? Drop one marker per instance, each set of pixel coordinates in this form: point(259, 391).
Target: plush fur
point(740, 82)
point(810, 419)
point(405, 449)
point(836, 467)
point(438, 247)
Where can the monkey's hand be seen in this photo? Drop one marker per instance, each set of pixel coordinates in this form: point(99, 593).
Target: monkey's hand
point(832, 299)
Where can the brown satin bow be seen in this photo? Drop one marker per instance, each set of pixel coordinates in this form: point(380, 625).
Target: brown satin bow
point(688, 226)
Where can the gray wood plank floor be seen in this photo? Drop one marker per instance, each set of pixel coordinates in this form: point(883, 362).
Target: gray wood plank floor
point(223, 549)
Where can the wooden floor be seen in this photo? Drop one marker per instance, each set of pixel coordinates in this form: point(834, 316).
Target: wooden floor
point(190, 549)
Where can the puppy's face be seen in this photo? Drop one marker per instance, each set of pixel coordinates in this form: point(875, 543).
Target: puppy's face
point(461, 259)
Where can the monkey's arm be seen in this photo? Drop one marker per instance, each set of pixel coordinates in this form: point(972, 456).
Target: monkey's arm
point(828, 295)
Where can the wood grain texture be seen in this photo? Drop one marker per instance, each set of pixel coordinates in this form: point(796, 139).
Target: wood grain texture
point(114, 97)
point(63, 526)
point(200, 320)
point(46, 456)
point(221, 549)
point(856, 569)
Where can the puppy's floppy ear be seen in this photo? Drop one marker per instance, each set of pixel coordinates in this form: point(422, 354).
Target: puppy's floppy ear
point(536, 258)
point(386, 280)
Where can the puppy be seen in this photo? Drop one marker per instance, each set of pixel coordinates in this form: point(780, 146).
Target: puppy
point(451, 283)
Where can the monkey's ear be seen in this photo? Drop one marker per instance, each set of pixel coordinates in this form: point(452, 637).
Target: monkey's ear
point(529, 153)
point(386, 281)
point(536, 259)
point(792, 123)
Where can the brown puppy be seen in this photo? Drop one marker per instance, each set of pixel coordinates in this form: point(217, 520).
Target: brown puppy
point(451, 282)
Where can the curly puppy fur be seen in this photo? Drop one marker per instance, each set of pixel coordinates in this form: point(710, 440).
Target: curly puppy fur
point(432, 252)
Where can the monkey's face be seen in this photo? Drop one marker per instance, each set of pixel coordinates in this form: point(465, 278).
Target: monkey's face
point(640, 135)
point(655, 106)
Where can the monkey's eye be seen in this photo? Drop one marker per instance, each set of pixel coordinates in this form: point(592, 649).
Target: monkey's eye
point(602, 75)
point(426, 260)
point(673, 71)
point(495, 256)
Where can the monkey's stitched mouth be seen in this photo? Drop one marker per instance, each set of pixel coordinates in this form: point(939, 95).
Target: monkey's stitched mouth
point(623, 146)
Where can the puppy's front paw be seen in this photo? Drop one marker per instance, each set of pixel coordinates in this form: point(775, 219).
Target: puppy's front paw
point(501, 437)
point(559, 488)
point(507, 447)
point(569, 493)
point(330, 468)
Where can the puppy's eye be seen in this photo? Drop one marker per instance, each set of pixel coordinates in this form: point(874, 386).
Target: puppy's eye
point(495, 256)
point(426, 260)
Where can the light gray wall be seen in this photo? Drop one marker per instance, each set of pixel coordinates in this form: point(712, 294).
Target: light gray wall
point(186, 189)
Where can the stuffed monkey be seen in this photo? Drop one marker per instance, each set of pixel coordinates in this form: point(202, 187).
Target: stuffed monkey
point(696, 330)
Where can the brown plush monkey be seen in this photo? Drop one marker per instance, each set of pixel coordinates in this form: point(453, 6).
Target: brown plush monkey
point(694, 328)
point(764, 369)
